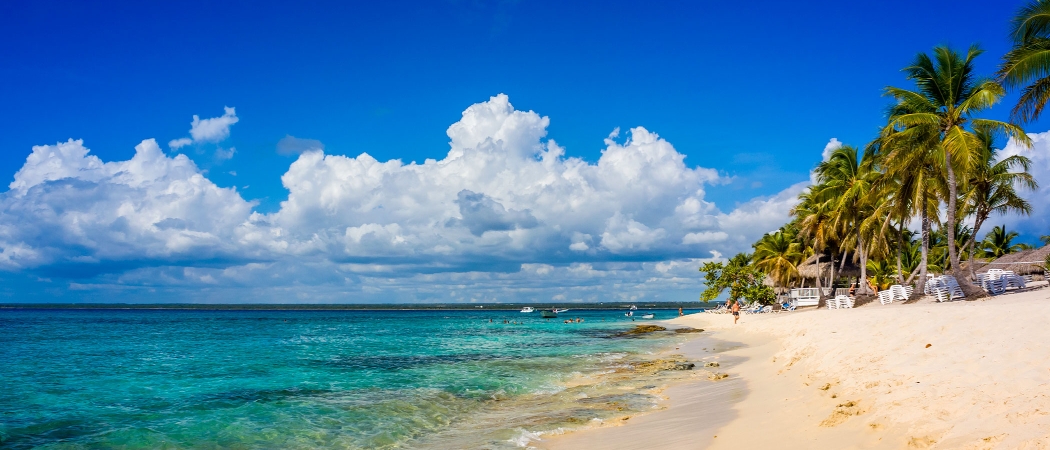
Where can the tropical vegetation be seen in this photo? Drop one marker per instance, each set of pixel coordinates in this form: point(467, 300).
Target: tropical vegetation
point(933, 167)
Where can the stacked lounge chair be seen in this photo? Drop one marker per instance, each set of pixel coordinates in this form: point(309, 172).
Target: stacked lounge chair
point(840, 302)
point(944, 288)
point(996, 281)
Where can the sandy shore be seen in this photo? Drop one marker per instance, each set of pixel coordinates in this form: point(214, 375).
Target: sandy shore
point(970, 375)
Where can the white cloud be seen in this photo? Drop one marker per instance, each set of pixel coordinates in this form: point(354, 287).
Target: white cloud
point(1039, 222)
point(213, 130)
point(832, 145)
point(222, 154)
point(176, 144)
point(67, 208)
point(705, 237)
point(503, 207)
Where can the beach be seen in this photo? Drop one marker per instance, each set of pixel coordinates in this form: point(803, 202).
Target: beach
point(966, 374)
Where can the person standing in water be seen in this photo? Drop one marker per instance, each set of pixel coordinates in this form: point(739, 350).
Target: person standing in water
point(736, 311)
point(680, 314)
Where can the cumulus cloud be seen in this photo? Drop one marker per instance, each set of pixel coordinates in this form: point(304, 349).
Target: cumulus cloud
point(832, 145)
point(505, 214)
point(67, 210)
point(1039, 222)
point(291, 145)
point(215, 129)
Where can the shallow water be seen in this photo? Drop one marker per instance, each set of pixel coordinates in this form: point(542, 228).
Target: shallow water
point(309, 379)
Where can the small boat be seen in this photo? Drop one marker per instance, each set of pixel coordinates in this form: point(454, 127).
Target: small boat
point(633, 308)
point(548, 314)
point(527, 309)
point(629, 314)
point(648, 315)
point(556, 310)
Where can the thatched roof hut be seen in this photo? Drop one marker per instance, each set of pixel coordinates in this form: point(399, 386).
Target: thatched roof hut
point(809, 269)
point(1027, 262)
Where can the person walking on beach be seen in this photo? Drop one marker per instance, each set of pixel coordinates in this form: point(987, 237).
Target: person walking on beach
point(736, 311)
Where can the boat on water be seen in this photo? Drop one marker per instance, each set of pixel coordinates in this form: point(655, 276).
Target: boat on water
point(527, 309)
point(548, 314)
point(628, 314)
point(557, 310)
point(648, 316)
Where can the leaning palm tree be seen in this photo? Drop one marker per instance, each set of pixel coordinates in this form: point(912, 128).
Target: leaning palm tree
point(992, 188)
point(777, 255)
point(948, 96)
point(1027, 64)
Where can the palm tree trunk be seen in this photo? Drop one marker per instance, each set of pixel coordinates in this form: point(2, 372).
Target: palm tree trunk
point(863, 266)
point(900, 245)
point(831, 276)
point(820, 292)
point(953, 253)
point(925, 247)
point(978, 221)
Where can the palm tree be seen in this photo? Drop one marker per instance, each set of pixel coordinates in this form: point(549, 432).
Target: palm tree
point(1045, 238)
point(942, 109)
point(882, 273)
point(1027, 64)
point(999, 242)
point(846, 182)
point(777, 255)
point(815, 223)
point(993, 188)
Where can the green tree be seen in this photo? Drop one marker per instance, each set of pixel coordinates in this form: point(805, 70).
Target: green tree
point(992, 188)
point(999, 242)
point(1027, 64)
point(846, 181)
point(744, 281)
point(911, 160)
point(815, 223)
point(943, 107)
point(778, 255)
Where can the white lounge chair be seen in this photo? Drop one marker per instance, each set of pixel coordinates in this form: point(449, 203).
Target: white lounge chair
point(900, 293)
point(886, 297)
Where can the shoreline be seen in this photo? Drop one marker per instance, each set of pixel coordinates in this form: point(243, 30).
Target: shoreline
point(923, 375)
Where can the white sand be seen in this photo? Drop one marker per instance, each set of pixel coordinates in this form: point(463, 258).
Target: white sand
point(982, 383)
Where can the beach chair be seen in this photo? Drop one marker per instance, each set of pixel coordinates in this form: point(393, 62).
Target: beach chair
point(886, 297)
point(1012, 280)
point(946, 288)
point(899, 293)
point(833, 303)
point(846, 302)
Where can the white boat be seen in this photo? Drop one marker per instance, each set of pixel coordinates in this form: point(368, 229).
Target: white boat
point(648, 315)
point(560, 310)
point(527, 309)
point(633, 308)
point(629, 314)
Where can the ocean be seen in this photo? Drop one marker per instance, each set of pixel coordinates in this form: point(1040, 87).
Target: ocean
point(314, 379)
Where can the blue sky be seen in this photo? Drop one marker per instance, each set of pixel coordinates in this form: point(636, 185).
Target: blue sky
point(750, 94)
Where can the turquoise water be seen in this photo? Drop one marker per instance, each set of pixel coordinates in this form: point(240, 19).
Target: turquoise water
point(307, 379)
